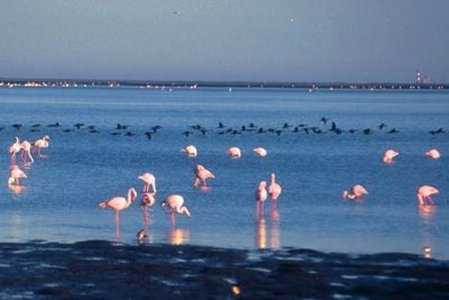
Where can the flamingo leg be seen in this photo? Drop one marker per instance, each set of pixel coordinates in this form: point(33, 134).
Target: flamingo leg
point(117, 225)
point(173, 218)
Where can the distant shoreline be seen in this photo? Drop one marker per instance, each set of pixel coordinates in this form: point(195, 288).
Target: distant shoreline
point(311, 86)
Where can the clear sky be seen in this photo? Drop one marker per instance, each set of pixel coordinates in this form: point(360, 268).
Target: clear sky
point(292, 40)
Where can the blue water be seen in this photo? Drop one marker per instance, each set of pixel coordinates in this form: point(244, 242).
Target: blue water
point(59, 201)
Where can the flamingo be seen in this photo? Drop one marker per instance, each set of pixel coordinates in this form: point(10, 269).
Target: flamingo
point(148, 181)
point(15, 174)
point(201, 176)
point(261, 197)
point(148, 201)
point(389, 156)
point(234, 152)
point(141, 235)
point(260, 151)
point(274, 189)
point(190, 150)
point(175, 205)
point(433, 154)
point(425, 193)
point(15, 148)
point(357, 192)
point(41, 144)
point(26, 151)
point(118, 204)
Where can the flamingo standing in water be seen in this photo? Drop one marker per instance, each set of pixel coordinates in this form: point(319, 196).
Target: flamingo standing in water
point(26, 151)
point(118, 204)
point(149, 182)
point(201, 176)
point(15, 148)
point(260, 151)
point(389, 156)
point(274, 189)
point(190, 150)
point(147, 202)
point(425, 193)
point(357, 192)
point(433, 154)
point(41, 144)
point(175, 205)
point(15, 174)
point(234, 152)
point(261, 197)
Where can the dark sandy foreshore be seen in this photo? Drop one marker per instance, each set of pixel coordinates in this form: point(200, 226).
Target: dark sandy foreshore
point(102, 270)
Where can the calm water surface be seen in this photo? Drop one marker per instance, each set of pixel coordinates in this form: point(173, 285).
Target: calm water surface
point(59, 202)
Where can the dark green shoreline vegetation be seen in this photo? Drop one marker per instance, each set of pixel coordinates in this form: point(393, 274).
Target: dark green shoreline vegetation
point(106, 270)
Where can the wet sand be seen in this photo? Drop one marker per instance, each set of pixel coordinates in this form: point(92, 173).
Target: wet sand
point(105, 270)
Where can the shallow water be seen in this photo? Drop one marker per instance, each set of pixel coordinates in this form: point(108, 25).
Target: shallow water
point(59, 202)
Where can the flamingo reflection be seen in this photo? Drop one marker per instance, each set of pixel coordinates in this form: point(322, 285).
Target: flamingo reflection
point(261, 233)
point(148, 201)
point(15, 174)
point(178, 236)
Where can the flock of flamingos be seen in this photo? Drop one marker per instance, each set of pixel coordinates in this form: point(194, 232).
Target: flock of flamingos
point(174, 204)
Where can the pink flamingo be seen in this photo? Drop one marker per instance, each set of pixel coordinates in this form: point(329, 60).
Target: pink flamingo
point(175, 205)
point(147, 202)
point(433, 154)
point(42, 143)
point(357, 192)
point(260, 151)
point(425, 193)
point(190, 150)
point(234, 152)
point(261, 197)
point(389, 156)
point(118, 204)
point(15, 148)
point(15, 174)
point(26, 151)
point(274, 189)
point(149, 183)
point(201, 176)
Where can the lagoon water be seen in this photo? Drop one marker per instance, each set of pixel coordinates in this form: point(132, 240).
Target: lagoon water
point(59, 202)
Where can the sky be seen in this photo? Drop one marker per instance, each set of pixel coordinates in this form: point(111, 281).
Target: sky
point(225, 40)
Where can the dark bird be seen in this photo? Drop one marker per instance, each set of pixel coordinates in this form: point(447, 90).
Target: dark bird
point(156, 128)
point(67, 130)
point(438, 131)
point(17, 126)
point(367, 131)
point(394, 130)
point(54, 125)
point(78, 125)
point(187, 133)
point(129, 133)
point(220, 125)
point(382, 126)
point(261, 130)
point(333, 126)
point(306, 130)
point(234, 132)
point(302, 125)
point(203, 131)
point(352, 130)
point(278, 132)
point(286, 125)
point(251, 125)
point(148, 135)
point(121, 127)
point(91, 127)
point(116, 133)
point(36, 125)
point(243, 128)
point(324, 120)
point(296, 129)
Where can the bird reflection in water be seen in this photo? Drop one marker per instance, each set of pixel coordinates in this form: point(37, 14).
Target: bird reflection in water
point(427, 251)
point(16, 189)
point(426, 211)
point(178, 236)
point(273, 240)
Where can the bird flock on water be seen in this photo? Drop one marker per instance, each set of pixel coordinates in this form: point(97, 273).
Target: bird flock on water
point(174, 204)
